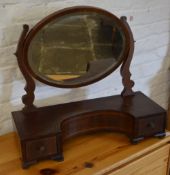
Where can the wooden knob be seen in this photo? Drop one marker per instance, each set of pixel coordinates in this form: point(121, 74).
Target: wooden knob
point(42, 148)
point(151, 125)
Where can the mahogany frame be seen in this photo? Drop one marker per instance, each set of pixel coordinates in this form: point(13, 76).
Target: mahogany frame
point(29, 75)
point(43, 130)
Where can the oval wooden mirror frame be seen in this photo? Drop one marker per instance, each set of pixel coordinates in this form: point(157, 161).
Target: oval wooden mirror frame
point(84, 80)
point(27, 36)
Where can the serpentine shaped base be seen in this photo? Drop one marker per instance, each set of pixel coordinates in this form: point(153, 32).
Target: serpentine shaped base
point(43, 131)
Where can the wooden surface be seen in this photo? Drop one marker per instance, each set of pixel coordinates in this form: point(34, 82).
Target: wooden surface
point(118, 158)
point(155, 163)
point(168, 118)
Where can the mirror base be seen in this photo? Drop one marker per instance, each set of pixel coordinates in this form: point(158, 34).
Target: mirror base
point(43, 131)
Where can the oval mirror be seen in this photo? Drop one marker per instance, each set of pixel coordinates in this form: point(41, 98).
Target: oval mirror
point(76, 47)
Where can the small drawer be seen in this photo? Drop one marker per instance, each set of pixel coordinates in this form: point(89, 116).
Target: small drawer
point(151, 125)
point(41, 148)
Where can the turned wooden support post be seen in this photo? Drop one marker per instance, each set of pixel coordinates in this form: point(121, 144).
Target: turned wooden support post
point(125, 72)
point(28, 98)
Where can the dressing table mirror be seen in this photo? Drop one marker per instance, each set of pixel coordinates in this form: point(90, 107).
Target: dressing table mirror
point(71, 48)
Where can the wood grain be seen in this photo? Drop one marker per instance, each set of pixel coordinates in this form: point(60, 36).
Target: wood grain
point(109, 153)
point(168, 118)
point(154, 163)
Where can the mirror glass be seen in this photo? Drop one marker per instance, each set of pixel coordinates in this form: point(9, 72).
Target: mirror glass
point(76, 47)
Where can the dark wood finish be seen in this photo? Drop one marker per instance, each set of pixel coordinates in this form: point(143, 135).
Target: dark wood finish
point(125, 72)
point(81, 81)
point(43, 131)
point(28, 98)
point(27, 36)
point(41, 148)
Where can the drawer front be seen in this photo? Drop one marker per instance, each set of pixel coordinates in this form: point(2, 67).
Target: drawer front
point(100, 120)
point(41, 148)
point(154, 163)
point(151, 125)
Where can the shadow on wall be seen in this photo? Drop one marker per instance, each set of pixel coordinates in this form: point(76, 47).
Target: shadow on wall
point(70, 96)
point(160, 84)
point(6, 104)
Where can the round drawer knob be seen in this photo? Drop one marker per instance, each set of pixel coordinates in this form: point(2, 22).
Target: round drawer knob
point(42, 148)
point(151, 125)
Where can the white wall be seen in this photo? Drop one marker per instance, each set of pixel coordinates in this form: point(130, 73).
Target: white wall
point(150, 22)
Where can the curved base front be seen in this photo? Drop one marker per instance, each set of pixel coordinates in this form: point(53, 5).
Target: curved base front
point(43, 131)
point(96, 120)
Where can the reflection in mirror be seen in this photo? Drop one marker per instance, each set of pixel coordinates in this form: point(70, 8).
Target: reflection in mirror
point(76, 46)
